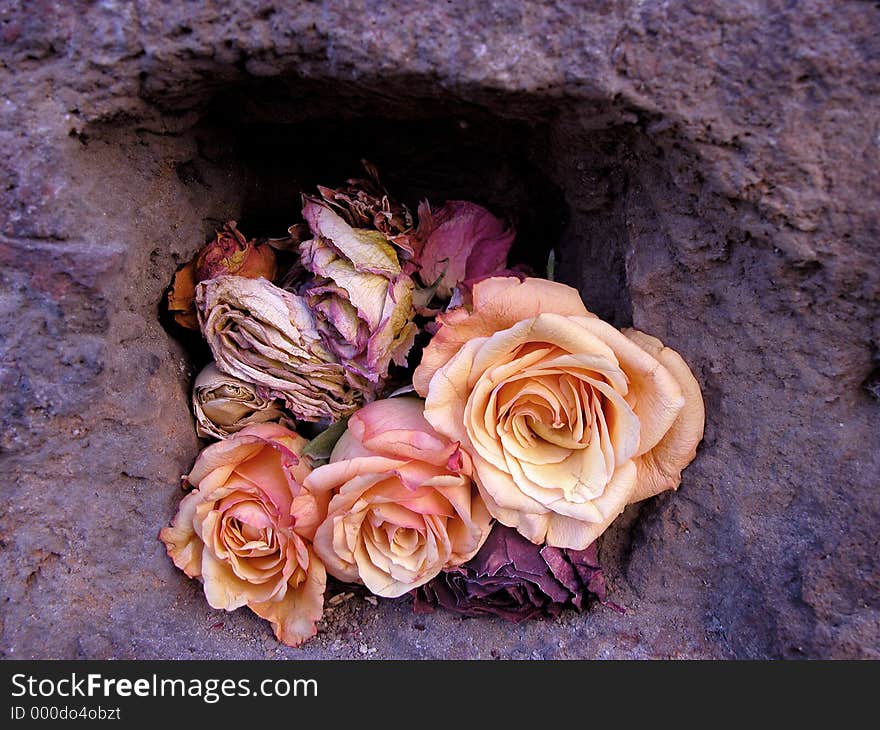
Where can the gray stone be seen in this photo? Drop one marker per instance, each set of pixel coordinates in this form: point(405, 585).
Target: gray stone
point(706, 171)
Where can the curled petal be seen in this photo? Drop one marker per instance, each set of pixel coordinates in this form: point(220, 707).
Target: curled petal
point(397, 427)
point(180, 539)
point(660, 467)
point(181, 297)
point(653, 392)
point(368, 251)
point(228, 253)
point(498, 303)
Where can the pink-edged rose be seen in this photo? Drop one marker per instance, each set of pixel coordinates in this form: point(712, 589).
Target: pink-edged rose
point(245, 531)
point(404, 506)
point(360, 297)
point(460, 242)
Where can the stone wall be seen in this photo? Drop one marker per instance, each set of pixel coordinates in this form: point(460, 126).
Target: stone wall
point(706, 171)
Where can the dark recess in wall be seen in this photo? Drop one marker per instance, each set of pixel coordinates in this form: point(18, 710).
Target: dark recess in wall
point(437, 159)
point(564, 186)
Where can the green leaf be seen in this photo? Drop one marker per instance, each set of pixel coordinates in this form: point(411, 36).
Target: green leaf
point(318, 450)
point(551, 265)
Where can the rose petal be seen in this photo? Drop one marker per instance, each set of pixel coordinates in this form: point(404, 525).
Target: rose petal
point(464, 241)
point(181, 541)
point(265, 335)
point(395, 523)
point(654, 394)
point(241, 530)
point(660, 468)
point(498, 303)
point(294, 618)
point(368, 251)
point(516, 580)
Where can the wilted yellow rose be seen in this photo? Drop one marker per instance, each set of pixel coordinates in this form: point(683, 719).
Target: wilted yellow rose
point(566, 418)
point(245, 531)
point(404, 505)
point(361, 299)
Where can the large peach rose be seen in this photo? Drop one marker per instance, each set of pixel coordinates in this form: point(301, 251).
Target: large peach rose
point(404, 506)
point(246, 530)
point(566, 418)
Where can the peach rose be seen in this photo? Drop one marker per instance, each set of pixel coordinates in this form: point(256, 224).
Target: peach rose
point(567, 420)
point(404, 506)
point(245, 531)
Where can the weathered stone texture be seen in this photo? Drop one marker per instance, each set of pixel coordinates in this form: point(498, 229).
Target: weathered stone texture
point(707, 171)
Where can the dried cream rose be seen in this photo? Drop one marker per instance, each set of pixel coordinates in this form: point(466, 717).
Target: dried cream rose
point(567, 419)
point(245, 531)
point(265, 335)
point(223, 405)
point(404, 506)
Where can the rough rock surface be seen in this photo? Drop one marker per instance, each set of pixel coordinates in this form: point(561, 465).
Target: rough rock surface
point(715, 168)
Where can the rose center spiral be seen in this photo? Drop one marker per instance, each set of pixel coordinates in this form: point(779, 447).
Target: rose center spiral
point(555, 408)
point(248, 532)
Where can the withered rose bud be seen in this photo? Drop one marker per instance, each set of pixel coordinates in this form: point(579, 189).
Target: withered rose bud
point(460, 242)
point(224, 405)
point(362, 300)
point(364, 203)
point(265, 335)
point(181, 297)
point(229, 253)
point(516, 580)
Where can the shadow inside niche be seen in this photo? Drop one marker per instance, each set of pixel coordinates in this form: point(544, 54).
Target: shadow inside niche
point(436, 159)
point(558, 168)
point(478, 158)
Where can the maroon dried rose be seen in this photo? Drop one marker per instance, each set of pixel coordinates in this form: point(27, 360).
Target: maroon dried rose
point(516, 580)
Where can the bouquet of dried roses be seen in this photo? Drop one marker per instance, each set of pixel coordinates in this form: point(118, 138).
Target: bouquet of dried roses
point(481, 428)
